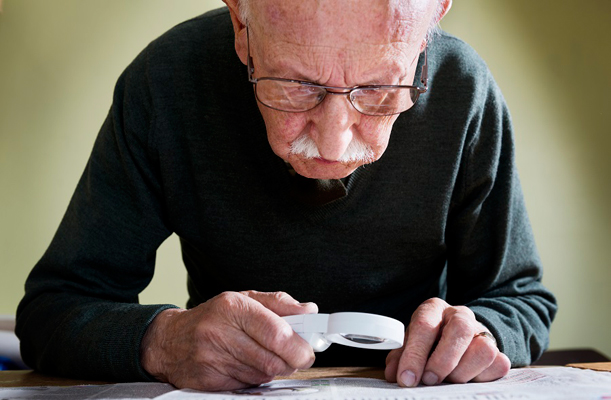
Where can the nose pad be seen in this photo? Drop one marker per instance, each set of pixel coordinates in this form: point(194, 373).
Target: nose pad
point(333, 124)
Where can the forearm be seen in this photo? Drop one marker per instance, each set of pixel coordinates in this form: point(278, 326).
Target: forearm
point(520, 323)
point(71, 335)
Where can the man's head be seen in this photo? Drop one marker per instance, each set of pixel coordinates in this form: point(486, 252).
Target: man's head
point(339, 43)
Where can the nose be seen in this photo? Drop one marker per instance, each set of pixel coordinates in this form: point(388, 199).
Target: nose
point(333, 124)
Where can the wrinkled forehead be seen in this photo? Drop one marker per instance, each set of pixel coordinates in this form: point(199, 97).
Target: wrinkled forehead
point(341, 22)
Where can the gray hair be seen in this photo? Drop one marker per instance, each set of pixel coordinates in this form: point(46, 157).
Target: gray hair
point(245, 11)
point(433, 30)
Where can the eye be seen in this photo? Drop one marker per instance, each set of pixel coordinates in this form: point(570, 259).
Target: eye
point(308, 89)
point(373, 94)
point(370, 91)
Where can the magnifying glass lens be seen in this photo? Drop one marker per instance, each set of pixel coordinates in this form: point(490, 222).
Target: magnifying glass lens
point(364, 339)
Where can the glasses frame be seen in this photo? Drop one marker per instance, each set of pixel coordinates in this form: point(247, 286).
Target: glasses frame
point(337, 90)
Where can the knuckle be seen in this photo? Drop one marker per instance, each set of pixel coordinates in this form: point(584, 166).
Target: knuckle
point(487, 353)
point(281, 296)
point(433, 302)
point(421, 323)
point(249, 293)
point(306, 359)
point(431, 308)
point(464, 310)
point(280, 333)
point(461, 325)
point(299, 357)
point(227, 300)
point(430, 304)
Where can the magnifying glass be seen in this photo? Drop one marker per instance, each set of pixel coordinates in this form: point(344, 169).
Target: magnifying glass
point(366, 331)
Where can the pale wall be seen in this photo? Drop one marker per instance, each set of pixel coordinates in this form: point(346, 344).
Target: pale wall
point(59, 60)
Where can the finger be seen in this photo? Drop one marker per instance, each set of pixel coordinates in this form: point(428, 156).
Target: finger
point(247, 375)
point(281, 303)
point(422, 333)
point(244, 350)
point(228, 378)
point(459, 327)
point(499, 368)
point(479, 357)
point(274, 334)
point(392, 364)
point(213, 370)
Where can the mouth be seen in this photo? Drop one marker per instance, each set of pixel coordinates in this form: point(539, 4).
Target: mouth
point(325, 161)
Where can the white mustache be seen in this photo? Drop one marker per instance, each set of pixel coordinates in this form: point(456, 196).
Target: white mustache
point(356, 150)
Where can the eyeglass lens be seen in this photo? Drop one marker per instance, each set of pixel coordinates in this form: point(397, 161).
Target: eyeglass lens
point(298, 97)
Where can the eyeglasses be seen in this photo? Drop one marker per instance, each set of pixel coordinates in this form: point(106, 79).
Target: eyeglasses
point(292, 95)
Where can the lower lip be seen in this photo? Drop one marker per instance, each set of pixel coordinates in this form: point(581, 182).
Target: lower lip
point(326, 162)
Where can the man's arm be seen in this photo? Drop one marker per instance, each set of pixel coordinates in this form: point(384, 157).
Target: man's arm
point(80, 315)
point(493, 270)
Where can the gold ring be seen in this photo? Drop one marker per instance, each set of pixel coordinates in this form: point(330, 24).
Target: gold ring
point(486, 334)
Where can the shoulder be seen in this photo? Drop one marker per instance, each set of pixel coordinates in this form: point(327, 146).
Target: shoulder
point(209, 30)
point(451, 55)
point(186, 61)
point(459, 76)
point(209, 35)
point(188, 49)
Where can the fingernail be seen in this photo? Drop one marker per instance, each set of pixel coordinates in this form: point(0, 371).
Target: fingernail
point(313, 308)
point(408, 378)
point(429, 378)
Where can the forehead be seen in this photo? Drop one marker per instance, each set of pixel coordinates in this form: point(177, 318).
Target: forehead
point(340, 32)
point(316, 21)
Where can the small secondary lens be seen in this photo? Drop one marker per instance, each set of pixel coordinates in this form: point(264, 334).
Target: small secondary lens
point(364, 339)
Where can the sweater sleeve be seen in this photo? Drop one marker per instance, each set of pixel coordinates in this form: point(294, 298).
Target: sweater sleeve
point(493, 266)
point(80, 315)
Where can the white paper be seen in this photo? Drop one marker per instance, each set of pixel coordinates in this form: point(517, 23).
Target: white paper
point(110, 392)
point(557, 383)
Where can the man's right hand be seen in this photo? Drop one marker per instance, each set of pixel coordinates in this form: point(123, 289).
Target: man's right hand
point(232, 341)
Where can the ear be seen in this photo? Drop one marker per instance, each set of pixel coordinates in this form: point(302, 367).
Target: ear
point(442, 9)
point(445, 7)
point(239, 30)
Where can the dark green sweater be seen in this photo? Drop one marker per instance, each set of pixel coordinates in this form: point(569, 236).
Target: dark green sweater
point(184, 150)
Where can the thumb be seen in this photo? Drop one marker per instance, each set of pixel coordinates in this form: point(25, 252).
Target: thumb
point(281, 303)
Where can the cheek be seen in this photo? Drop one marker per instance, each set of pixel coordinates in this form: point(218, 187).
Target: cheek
point(375, 131)
point(282, 129)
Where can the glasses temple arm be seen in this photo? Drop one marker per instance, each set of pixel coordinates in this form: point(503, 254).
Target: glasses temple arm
point(424, 76)
point(250, 67)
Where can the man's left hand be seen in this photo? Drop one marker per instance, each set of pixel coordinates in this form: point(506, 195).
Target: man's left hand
point(442, 343)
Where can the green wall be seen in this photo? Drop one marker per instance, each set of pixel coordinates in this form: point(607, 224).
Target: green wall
point(59, 61)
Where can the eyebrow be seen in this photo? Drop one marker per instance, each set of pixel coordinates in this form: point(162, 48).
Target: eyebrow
point(384, 79)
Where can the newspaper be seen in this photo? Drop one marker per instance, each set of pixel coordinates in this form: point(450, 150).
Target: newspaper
point(557, 383)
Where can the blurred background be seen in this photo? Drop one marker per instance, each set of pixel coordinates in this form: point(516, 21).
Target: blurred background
point(59, 61)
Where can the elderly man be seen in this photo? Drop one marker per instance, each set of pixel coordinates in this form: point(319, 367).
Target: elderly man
point(346, 157)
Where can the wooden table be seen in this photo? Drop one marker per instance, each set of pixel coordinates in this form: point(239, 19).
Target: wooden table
point(33, 378)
